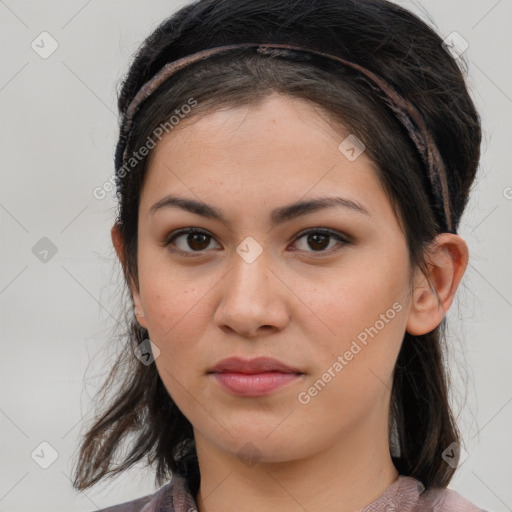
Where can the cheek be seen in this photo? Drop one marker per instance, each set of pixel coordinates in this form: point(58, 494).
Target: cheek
point(176, 321)
point(365, 315)
point(172, 296)
point(353, 371)
point(176, 317)
point(356, 301)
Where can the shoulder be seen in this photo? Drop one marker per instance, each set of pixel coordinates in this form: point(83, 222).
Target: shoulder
point(146, 503)
point(129, 506)
point(447, 500)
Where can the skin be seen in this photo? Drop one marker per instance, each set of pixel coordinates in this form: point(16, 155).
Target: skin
point(302, 303)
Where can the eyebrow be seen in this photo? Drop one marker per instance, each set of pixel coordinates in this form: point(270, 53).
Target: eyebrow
point(277, 216)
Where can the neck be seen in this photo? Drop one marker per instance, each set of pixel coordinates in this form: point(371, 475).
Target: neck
point(348, 475)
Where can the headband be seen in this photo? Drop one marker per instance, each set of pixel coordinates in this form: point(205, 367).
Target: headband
point(404, 111)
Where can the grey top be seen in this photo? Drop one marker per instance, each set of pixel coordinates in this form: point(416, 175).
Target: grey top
point(405, 494)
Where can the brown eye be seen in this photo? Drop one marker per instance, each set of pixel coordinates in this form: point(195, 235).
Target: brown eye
point(197, 241)
point(190, 240)
point(320, 240)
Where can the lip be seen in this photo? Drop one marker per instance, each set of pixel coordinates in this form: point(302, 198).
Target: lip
point(253, 377)
point(254, 384)
point(256, 365)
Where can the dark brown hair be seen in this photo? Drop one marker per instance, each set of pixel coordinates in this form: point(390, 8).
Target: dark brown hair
point(382, 37)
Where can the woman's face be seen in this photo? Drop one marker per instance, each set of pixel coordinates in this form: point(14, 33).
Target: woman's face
point(267, 280)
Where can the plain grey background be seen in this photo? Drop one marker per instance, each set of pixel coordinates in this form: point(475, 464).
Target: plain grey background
point(58, 133)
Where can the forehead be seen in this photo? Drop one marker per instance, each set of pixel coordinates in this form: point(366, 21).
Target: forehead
point(274, 152)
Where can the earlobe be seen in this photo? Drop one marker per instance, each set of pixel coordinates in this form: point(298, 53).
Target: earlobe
point(139, 311)
point(117, 241)
point(433, 294)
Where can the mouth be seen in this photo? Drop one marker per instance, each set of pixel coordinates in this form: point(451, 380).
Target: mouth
point(254, 384)
point(256, 365)
point(254, 377)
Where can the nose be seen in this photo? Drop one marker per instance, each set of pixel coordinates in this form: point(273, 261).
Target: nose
point(253, 299)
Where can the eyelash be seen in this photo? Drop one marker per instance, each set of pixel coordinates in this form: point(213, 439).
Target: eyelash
point(327, 232)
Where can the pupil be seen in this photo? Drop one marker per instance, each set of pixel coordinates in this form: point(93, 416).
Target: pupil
point(313, 239)
point(196, 237)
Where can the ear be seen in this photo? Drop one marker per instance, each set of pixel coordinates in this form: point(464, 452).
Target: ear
point(117, 240)
point(433, 294)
